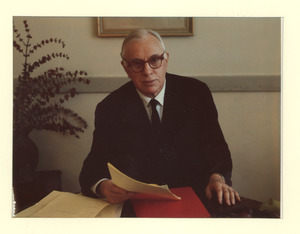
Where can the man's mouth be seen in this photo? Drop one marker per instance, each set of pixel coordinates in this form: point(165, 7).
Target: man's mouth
point(149, 82)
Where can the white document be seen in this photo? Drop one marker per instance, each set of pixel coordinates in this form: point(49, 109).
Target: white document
point(68, 205)
point(125, 182)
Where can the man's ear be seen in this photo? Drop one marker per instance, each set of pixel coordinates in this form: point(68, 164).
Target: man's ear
point(126, 68)
point(167, 58)
point(123, 64)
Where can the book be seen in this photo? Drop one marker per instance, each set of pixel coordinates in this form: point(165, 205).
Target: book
point(159, 201)
point(189, 206)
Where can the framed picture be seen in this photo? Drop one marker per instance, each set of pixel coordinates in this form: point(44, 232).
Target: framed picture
point(166, 26)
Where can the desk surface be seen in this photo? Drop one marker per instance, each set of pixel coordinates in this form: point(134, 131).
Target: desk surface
point(247, 208)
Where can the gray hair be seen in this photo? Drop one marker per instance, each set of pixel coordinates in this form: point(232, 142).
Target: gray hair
point(140, 34)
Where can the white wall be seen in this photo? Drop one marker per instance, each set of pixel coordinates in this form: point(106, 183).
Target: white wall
point(251, 125)
point(220, 46)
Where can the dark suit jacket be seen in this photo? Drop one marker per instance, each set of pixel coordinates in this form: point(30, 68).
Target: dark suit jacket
point(188, 149)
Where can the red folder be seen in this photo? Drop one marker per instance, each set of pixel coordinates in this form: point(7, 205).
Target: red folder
point(190, 206)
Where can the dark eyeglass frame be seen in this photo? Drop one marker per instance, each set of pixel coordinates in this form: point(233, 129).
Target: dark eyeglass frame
point(135, 69)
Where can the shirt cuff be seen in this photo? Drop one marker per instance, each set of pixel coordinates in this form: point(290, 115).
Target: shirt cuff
point(93, 188)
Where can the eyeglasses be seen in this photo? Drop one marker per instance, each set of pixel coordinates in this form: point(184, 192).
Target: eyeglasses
point(155, 62)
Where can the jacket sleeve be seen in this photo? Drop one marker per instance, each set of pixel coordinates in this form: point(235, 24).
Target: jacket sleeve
point(95, 165)
point(217, 151)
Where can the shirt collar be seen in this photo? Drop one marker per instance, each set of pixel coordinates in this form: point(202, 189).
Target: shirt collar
point(160, 97)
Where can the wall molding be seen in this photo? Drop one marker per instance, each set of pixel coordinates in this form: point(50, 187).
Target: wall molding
point(215, 83)
point(255, 83)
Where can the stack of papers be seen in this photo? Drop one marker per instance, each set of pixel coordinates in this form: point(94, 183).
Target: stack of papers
point(68, 205)
point(146, 190)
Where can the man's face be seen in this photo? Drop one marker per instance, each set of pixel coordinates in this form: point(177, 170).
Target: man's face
point(149, 81)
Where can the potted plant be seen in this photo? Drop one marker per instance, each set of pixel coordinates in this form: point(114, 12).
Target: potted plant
point(38, 102)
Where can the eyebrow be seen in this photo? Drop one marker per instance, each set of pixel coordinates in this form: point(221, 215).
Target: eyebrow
point(138, 59)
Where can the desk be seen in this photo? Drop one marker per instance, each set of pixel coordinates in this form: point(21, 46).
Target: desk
point(247, 208)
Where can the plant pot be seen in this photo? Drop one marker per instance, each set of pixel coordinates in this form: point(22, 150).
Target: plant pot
point(25, 157)
point(25, 161)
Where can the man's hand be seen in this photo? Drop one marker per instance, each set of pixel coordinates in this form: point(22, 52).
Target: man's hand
point(113, 193)
point(217, 185)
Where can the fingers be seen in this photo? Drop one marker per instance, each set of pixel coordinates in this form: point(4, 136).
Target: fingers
point(118, 198)
point(224, 193)
point(232, 196)
point(220, 195)
point(113, 193)
point(237, 196)
point(117, 190)
point(229, 195)
point(208, 193)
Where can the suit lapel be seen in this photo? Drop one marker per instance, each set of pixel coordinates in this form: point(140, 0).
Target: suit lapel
point(135, 113)
point(172, 112)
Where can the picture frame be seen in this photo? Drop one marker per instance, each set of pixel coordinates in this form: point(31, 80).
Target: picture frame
point(165, 26)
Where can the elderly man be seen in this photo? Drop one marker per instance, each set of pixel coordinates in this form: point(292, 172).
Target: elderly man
point(158, 128)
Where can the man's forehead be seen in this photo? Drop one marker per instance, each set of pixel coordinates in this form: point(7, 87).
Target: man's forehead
point(143, 46)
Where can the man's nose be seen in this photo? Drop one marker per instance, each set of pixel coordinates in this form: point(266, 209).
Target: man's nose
point(147, 69)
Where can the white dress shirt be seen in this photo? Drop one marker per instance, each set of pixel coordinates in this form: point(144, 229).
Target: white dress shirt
point(160, 98)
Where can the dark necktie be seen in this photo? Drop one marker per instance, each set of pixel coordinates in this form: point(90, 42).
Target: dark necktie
point(155, 120)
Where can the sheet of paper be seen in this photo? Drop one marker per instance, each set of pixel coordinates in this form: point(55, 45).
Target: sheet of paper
point(111, 211)
point(129, 184)
point(68, 205)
